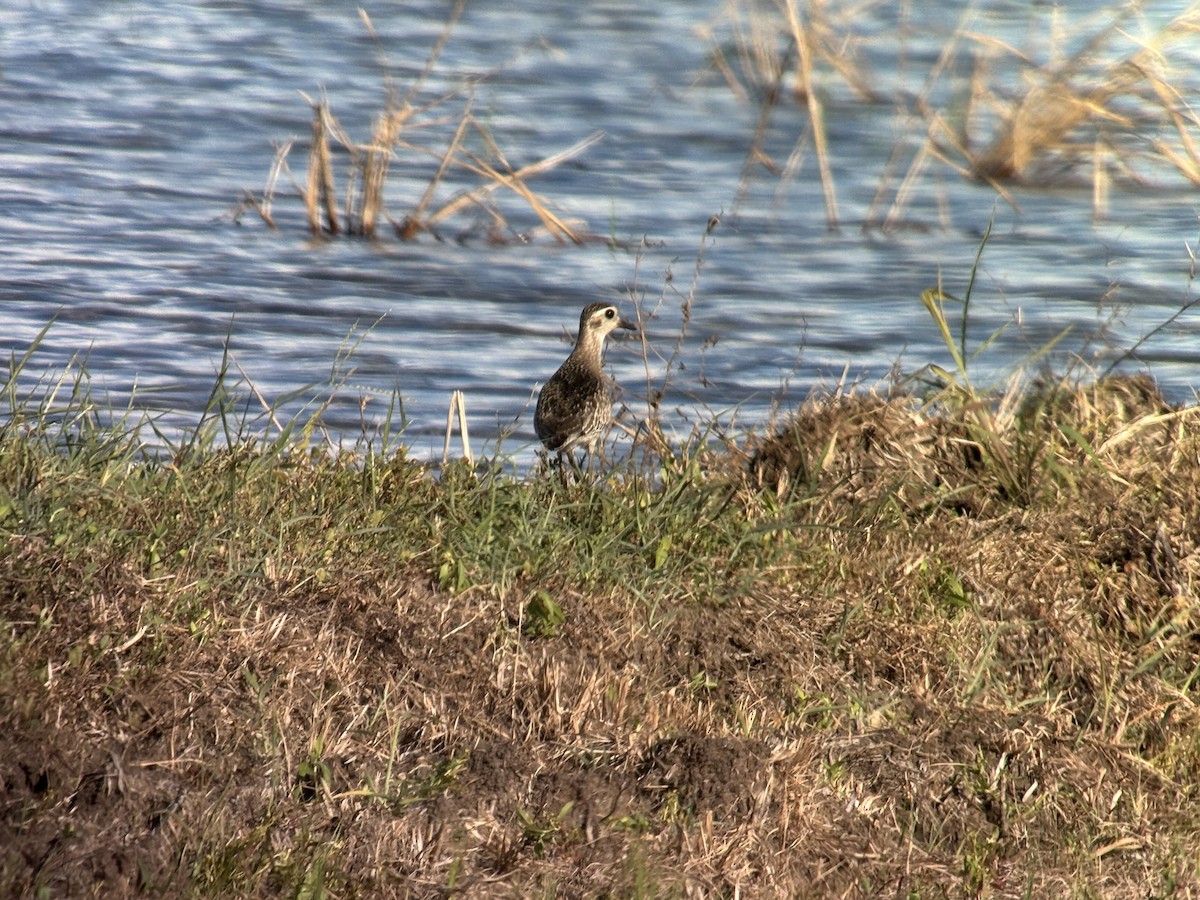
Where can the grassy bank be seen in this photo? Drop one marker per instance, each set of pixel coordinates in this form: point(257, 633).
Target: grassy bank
point(905, 649)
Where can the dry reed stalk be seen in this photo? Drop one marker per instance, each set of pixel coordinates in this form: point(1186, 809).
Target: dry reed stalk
point(753, 39)
point(938, 136)
point(1041, 118)
point(413, 221)
point(248, 199)
point(754, 34)
point(913, 113)
point(278, 164)
point(556, 226)
point(810, 39)
point(370, 163)
point(723, 67)
point(374, 175)
point(376, 156)
point(312, 190)
point(262, 401)
point(325, 167)
point(1041, 124)
point(458, 404)
point(1100, 181)
point(1038, 123)
point(373, 160)
point(511, 180)
point(434, 54)
point(1171, 100)
point(1057, 106)
point(320, 190)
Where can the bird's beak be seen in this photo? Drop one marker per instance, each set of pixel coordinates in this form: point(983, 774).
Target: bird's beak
point(627, 325)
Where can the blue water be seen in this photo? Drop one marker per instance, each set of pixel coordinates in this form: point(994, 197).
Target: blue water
point(128, 132)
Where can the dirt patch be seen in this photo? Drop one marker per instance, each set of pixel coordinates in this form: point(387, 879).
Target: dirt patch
point(704, 775)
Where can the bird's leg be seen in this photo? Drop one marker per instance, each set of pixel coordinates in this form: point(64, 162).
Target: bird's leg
point(595, 461)
point(576, 467)
point(552, 464)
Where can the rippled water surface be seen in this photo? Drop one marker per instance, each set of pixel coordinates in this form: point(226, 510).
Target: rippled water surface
point(128, 132)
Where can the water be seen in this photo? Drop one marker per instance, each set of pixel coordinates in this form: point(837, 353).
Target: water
point(128, 131)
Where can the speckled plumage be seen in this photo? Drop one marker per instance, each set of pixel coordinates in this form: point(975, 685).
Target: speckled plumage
point(574, 408)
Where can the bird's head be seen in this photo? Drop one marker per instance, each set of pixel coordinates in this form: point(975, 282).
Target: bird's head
point(601, 319)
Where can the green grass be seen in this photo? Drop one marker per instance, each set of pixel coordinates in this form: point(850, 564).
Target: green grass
point(934, 644)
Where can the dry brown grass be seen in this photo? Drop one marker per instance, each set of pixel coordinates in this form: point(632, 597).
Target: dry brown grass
point(861, 666)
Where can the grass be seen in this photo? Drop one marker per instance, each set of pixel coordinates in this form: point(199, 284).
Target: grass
point(937, 642)
point(940, 641)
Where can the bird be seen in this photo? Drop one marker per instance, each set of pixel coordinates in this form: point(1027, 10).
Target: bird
point(574, 407)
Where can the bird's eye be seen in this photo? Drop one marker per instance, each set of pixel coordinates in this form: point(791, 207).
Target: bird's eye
point(609, 313)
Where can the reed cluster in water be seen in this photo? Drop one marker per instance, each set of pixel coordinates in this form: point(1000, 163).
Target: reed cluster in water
point(1092, 100)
